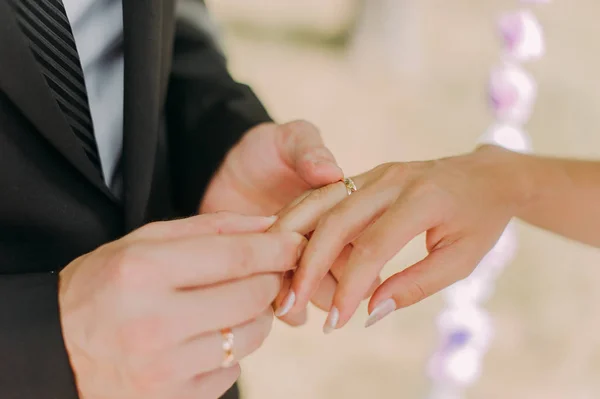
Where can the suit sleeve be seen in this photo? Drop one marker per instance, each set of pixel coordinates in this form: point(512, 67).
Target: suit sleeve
point(34, 362)
point(207, 110)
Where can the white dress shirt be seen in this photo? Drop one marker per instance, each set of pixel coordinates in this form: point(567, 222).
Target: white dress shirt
point(98, 29)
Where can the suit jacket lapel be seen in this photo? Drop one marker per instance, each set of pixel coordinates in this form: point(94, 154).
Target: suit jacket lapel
point(142, 23)
point(23, 82)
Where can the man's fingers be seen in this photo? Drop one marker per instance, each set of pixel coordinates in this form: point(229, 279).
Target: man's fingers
point(374, 248)
point(302, 148)
point(205, 260)
point(295, 319)
point(214, 223)
point(205, 353)
point(195, 312)
point(211, 385)
point(201, 355)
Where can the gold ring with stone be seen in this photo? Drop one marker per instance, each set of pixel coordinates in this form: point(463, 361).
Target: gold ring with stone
point(350, 186)
point(228, 341)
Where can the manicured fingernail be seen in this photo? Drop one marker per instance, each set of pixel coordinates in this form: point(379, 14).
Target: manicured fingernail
point(383, 309)
point(286, 305)
point(332, 320)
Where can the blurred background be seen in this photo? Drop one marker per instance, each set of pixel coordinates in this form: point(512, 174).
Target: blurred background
point(404, 80)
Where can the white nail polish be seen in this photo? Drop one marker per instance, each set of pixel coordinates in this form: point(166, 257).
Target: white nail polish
point(332, 320)
point(287, 304)
point(383, 309)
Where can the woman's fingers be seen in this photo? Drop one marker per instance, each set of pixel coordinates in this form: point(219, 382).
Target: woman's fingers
point(310, 207)
point(323, 296)
point(293, 204)
point(322, 299)
point(373, 249)
point(337, 269)
point(373, 288)
point(440, 269)
point(336, 229)
point(284, 302)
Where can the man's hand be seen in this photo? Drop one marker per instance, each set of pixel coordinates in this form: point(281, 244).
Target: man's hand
point(142, 316)
point(271, 166)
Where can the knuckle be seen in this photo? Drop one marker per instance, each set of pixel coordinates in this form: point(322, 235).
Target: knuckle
point(364, 250)
point(425, 188)
point(127, 266)
point(415, 292)
point(286, 251)
point(263, 290)
point(393, 171)
point(219, 220)
point(282, 251)
point(153, 229)
point(148, 229)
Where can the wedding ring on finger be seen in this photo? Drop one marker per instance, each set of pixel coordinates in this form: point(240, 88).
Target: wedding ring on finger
point(228, 341)
point(350, 186)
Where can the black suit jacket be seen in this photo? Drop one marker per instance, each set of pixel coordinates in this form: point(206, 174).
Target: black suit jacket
point(182, 112)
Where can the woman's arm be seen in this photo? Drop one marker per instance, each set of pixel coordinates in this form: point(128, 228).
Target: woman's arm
point(462, 203)
point(563, 196)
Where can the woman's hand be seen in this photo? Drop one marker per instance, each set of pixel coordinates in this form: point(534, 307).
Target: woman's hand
point(463, 203)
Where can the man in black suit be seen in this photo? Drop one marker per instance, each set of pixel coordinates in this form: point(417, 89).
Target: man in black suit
point(109, 286)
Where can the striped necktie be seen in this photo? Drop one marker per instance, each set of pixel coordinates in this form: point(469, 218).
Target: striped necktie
point(46, 25)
